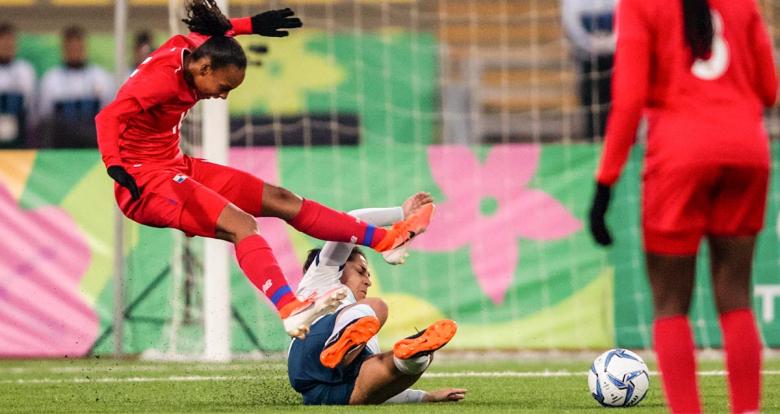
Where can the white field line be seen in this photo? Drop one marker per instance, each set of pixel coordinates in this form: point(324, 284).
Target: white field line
point(195, 378)
point(543, 374)
point(173, 378)
point(178, 367)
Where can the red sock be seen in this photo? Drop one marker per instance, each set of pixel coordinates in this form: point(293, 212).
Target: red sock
point(743, 359)
point(259, 265)
point(673, 342)
point(324, 223)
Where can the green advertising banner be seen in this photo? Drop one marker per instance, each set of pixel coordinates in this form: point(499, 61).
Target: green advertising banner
point(507, 255)
point(633, 301)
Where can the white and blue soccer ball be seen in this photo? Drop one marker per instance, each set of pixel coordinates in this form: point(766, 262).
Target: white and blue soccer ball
point(618, 378)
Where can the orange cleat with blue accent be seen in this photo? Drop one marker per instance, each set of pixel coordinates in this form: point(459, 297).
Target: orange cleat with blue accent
point(395, 244)
point(349, 341)
point(426, 341)
point(299, 315)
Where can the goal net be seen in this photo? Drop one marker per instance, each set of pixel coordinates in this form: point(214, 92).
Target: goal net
point(489, 106)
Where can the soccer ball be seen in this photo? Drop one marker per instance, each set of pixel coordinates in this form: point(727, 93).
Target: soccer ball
point(618, 378)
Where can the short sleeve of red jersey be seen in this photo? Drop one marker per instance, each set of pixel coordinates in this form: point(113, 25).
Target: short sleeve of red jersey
point(630, 83)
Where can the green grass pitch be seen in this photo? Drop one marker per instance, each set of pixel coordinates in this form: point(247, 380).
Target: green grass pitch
point(494, 386)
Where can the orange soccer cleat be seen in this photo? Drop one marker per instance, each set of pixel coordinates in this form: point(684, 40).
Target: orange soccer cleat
point(426, 341)
point(395, 244)
point(349, 341)
point(299, 315)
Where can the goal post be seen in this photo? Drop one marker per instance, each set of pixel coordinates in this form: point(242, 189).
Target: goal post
point(216, 264)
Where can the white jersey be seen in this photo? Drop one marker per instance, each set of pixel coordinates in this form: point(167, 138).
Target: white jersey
point(17, 91)
point(325, 271)
point(62, 85)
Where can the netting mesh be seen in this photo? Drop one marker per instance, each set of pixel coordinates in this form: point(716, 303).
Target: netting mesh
point(374, 100)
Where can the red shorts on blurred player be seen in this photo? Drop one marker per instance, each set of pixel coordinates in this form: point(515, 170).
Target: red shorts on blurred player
point(681, 204)
point(189, 196)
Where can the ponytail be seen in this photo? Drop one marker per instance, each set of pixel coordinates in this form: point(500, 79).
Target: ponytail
point(205, 17)
point(698, 27)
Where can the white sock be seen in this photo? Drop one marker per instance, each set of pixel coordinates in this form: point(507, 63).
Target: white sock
point(348, 315)
point(412, 366)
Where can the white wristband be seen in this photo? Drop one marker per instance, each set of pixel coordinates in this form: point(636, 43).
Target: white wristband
point(407, 396)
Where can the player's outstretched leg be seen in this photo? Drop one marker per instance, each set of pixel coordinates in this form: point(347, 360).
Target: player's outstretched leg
point(386, 375)
point(298, 318)
point(395, 244)
point(354, 328)
point(349, 341)
point(426, 341)
point(316, 220)
point(259, 265)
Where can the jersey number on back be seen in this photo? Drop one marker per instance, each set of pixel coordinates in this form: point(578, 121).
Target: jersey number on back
point(716, 65)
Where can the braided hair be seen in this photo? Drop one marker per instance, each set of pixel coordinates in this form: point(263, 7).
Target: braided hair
point(698, 27)
point(205, 17)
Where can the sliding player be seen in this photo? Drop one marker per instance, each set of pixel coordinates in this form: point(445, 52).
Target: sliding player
point(157, 185)
point(340, 363)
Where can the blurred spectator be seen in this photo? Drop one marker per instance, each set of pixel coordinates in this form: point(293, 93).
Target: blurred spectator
point(142, 47)
point(72, 94)
point(17, 84)
point(588, 26)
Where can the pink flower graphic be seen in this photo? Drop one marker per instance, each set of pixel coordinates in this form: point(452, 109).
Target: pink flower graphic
point(43, 257)
point(262, 163)
point(488, 207)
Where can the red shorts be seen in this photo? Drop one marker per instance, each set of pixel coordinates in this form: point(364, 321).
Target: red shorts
point(682, 204)
point(189, 197)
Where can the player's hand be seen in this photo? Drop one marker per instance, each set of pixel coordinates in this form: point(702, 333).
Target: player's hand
point(268, 23)
point(414, 202)
point(448, 394)
point(598, 227)
point(120, 175)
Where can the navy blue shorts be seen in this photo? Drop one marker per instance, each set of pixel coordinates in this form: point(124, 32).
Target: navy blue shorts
point(320, 385)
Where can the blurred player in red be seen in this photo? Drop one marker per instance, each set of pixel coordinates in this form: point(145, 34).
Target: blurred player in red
point(702, 72)
point(157, 185)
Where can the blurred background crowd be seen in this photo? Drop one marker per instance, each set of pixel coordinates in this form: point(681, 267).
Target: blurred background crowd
point(522, 77)
point(57, 109)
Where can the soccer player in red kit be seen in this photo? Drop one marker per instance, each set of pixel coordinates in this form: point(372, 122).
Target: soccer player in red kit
point(702, 72)
point(157, 185)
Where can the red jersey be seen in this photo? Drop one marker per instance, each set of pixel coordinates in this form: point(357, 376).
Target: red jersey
point(698, 111)
point(142, 124)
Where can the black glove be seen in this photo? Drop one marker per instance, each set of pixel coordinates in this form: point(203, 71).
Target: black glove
point(598, 228)
point(125, 180)
point(268, 23)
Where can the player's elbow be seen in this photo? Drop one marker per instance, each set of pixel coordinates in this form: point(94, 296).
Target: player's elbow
point(100, 118)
